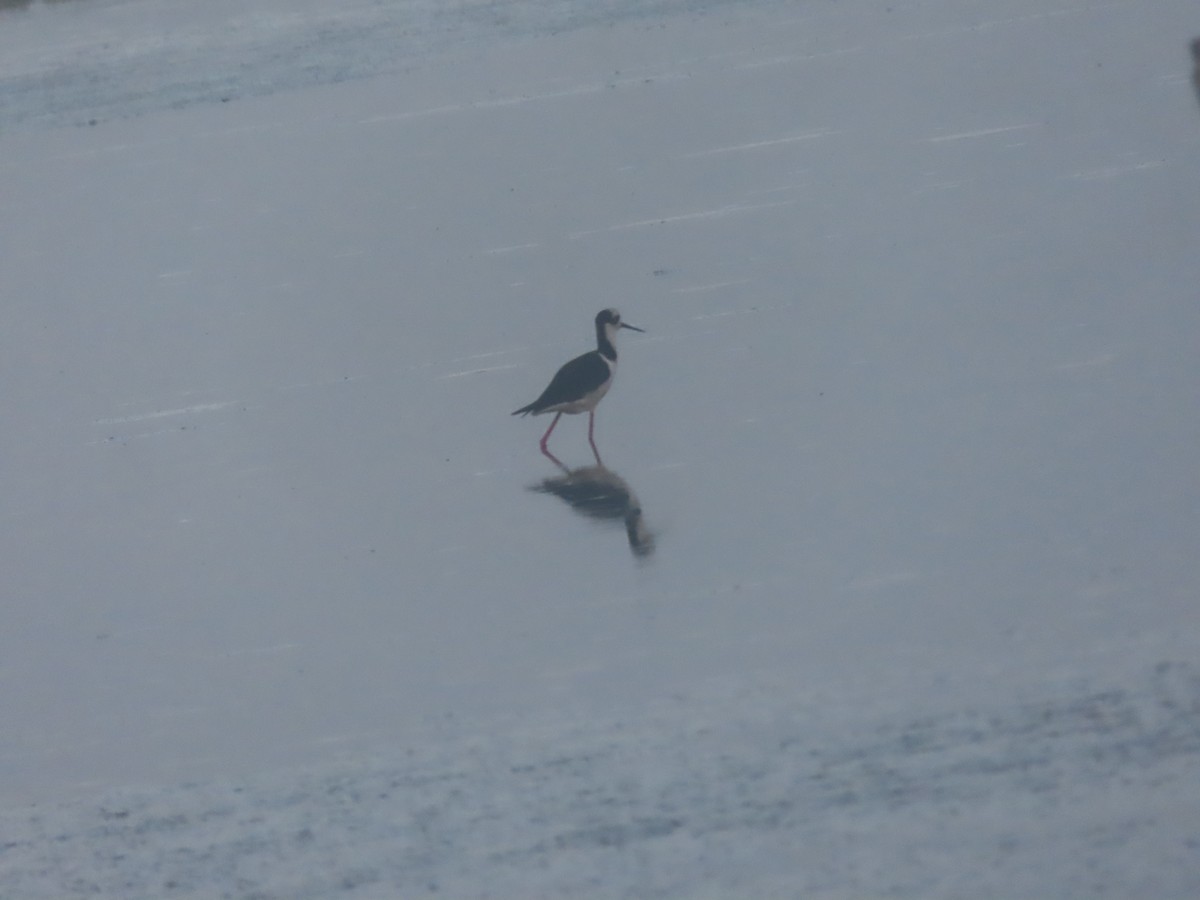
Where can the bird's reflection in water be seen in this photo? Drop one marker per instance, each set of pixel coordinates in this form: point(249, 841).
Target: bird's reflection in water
point(1196, 70)
point(599, 493)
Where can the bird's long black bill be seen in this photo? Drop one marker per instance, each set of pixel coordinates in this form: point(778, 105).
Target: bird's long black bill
point(633, 328)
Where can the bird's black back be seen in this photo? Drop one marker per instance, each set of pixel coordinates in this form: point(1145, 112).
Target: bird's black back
point(576, 378)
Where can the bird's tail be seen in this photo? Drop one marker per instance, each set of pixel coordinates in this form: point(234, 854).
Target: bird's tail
point(525, 410)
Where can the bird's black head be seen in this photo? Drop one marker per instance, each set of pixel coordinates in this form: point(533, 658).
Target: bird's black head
point(609, 320)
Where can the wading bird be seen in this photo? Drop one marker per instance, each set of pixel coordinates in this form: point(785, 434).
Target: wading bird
point(580, 384)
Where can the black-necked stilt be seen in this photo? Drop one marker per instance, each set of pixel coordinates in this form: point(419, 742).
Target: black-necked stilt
point(580, 384)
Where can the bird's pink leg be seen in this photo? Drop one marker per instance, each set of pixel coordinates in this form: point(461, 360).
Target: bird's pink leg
point(591, 440)
point(546, 436)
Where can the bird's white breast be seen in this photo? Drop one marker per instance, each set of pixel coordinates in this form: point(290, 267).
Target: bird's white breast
point(588, 401)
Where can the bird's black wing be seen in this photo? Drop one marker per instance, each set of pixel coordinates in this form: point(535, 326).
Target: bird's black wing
point(571, 382)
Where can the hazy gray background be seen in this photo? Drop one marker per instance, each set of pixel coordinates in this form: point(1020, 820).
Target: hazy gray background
point(914, 423)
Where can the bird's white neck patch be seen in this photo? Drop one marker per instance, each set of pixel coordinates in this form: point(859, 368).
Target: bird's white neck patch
point(609, 344)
